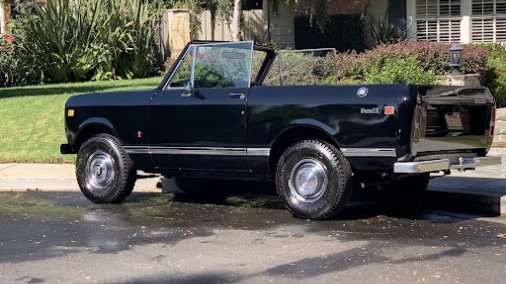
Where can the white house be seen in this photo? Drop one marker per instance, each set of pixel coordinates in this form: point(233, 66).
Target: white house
point(467, 21)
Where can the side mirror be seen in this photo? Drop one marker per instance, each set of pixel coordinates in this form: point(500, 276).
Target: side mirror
point(188, 92)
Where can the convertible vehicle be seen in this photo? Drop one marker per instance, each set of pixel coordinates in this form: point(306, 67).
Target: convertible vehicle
point(236, 111)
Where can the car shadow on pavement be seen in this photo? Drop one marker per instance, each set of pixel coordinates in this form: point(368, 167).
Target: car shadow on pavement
point(478, 195)
point(363, 204)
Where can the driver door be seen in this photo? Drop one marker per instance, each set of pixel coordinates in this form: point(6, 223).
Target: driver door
point(198, 119)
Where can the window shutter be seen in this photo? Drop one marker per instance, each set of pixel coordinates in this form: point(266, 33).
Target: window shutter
point(500, 29)
point(438, 20)
point(483, 30)
point(449, 30)
point(488, 21)
point(500, 21)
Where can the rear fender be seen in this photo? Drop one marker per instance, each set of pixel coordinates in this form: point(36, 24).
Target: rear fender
point(310, 129)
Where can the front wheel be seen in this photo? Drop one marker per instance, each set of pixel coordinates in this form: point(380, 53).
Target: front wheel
point(314, 179)
point(104, 171)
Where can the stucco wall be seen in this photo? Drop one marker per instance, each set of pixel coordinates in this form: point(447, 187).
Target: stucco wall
point(377, 8)
point(338, 7)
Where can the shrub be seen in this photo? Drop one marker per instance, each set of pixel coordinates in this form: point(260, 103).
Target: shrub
point(495, 77)
point(303, 68)
point(78, 40)
point(10, 73)
point(399, 70)
point(431, 56)
point(349, 66)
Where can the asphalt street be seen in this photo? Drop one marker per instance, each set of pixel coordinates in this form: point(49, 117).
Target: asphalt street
point(60, 237)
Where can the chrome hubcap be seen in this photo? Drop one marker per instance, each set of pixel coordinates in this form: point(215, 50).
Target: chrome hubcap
point(308, 180)
point(99, 171)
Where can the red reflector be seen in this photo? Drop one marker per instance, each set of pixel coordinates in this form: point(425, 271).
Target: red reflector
point(389, 110)
point(491, 127)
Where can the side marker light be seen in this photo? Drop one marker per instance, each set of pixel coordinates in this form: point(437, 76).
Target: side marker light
point(389, 110)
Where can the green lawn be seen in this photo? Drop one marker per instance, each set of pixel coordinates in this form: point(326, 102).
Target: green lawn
point(31, 118)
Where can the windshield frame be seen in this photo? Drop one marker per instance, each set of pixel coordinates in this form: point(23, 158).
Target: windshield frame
point(193, 44)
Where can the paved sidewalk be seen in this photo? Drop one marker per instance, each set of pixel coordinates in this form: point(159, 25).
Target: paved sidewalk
point(53, 177)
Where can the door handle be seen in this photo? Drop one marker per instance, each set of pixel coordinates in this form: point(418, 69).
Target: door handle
point(237, 96)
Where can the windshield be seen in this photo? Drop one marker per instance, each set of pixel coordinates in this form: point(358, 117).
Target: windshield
point(223, 65)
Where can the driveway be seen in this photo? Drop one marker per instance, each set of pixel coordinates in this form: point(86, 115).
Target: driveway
point(153, 237)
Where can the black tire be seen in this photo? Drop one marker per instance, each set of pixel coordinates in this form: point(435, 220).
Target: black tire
point(406, 194)
point(105, 173)
point(329, 175)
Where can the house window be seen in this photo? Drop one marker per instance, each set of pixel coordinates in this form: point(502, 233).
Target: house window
point(488, 21)
point(438, 20)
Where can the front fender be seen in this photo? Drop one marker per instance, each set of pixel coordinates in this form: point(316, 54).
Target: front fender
point(91, 126)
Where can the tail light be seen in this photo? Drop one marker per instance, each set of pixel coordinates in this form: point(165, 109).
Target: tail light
point(418, 123)
point(491, 127)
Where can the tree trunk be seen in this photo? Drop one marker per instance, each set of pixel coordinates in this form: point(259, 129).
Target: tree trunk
point(235, 26)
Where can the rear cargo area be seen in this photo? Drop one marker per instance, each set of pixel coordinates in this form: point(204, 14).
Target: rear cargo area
point(454, 120)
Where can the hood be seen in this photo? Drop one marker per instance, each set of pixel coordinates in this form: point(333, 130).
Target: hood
point(135, 97)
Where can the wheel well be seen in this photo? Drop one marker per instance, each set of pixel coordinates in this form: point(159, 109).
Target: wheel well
point(89, 131)
point(291, 136)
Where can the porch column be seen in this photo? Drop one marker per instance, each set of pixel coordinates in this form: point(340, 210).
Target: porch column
point(465, 23)
point(411, 19)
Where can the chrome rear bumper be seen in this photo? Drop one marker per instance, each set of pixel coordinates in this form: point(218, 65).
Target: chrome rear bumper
point(444, 164)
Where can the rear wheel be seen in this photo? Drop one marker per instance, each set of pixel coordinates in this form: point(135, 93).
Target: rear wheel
point(314, 179)
point(104, 171)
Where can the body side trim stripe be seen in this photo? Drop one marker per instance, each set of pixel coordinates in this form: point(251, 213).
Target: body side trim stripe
point(263, 152)
point(214, 151)
point(258, 152)
point(369, 152)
